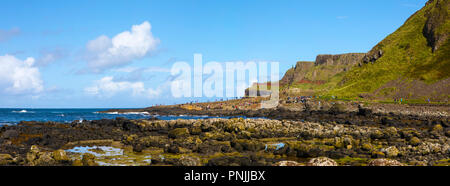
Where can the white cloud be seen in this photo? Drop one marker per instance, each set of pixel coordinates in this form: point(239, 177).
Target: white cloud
point(104, 52)
point(19, 77)
point(107, 87)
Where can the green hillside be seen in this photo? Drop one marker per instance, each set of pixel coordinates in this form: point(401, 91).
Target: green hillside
point(417, 52)
point(412, 63)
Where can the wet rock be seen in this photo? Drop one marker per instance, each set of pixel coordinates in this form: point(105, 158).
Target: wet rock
point(36, 157)
point(88, 160)
point(179, 133)
point(322, 161)
point(77, 163)
point(378, 154)
point(34, 149)
point(10, 134)
point(385, 162)
point(377, 134)
point(337, 108)
point(364, 111)
point(173, 149)
point(44, 159)
point(367, 147)
point(438, 128)
point(234, 161)
point(415, 141)
point(60, 155)
point(6, 159)
point(288, 164)
point(391, 151)
point(32, 155)
point(189, 161)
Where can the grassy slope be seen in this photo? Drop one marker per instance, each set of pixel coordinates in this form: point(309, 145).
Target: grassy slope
point(406, 54)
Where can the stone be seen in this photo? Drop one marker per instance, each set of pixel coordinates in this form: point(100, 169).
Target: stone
point(322, 161)
point(385, 162)
point(415, 141)
point(10, 134)
point(88, 160)
point(378, 154)
point(77, 163)
point(5, 159)
point(34, 149)
point(392, 151)
point(288, 164)
point(60, 155)
point(367, 146)
point(32, 155)
point(438, 128)
point(45, 158)
point(189, 161)
point(178, 133)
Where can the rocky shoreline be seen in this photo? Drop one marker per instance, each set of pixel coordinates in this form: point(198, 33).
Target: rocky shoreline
point(286, 138)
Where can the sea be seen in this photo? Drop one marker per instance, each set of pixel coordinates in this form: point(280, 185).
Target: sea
point(12, 116)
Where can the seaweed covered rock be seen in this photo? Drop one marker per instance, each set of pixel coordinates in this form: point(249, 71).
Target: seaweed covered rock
point(179, 133)
point(60, 155)
point(36, 157)
point(415, 141)
point(391, 151)
point(6, 159)
point(88, 160)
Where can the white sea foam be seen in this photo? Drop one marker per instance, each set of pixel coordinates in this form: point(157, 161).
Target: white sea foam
point(21, 111)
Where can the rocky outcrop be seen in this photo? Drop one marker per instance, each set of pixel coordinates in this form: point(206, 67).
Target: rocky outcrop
point(372, 55)
point(38, 157)
point(437, 17)
point(296, 73)
point(324, 67)
point(350, 59)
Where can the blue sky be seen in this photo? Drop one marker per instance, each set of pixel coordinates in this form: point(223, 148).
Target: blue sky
point(59, 53)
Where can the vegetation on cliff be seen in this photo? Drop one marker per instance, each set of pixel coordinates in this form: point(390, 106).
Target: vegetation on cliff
point(412, 63)
point(418, 50)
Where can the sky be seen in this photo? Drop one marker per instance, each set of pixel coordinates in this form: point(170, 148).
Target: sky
point(119, 54)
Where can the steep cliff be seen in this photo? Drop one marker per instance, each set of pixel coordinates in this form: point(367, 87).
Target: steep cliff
point(320, 71)
point(415, 56)
point(411, 63)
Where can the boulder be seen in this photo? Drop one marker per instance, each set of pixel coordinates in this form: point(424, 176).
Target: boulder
point(391, 151)
point(60, 155)
point(77, 163)
point(322, 161)
point(88, 160)
point(415, 141)
point(45, 158)
point(189, 161)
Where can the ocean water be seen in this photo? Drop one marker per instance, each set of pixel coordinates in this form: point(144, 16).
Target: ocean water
point(11, 116)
